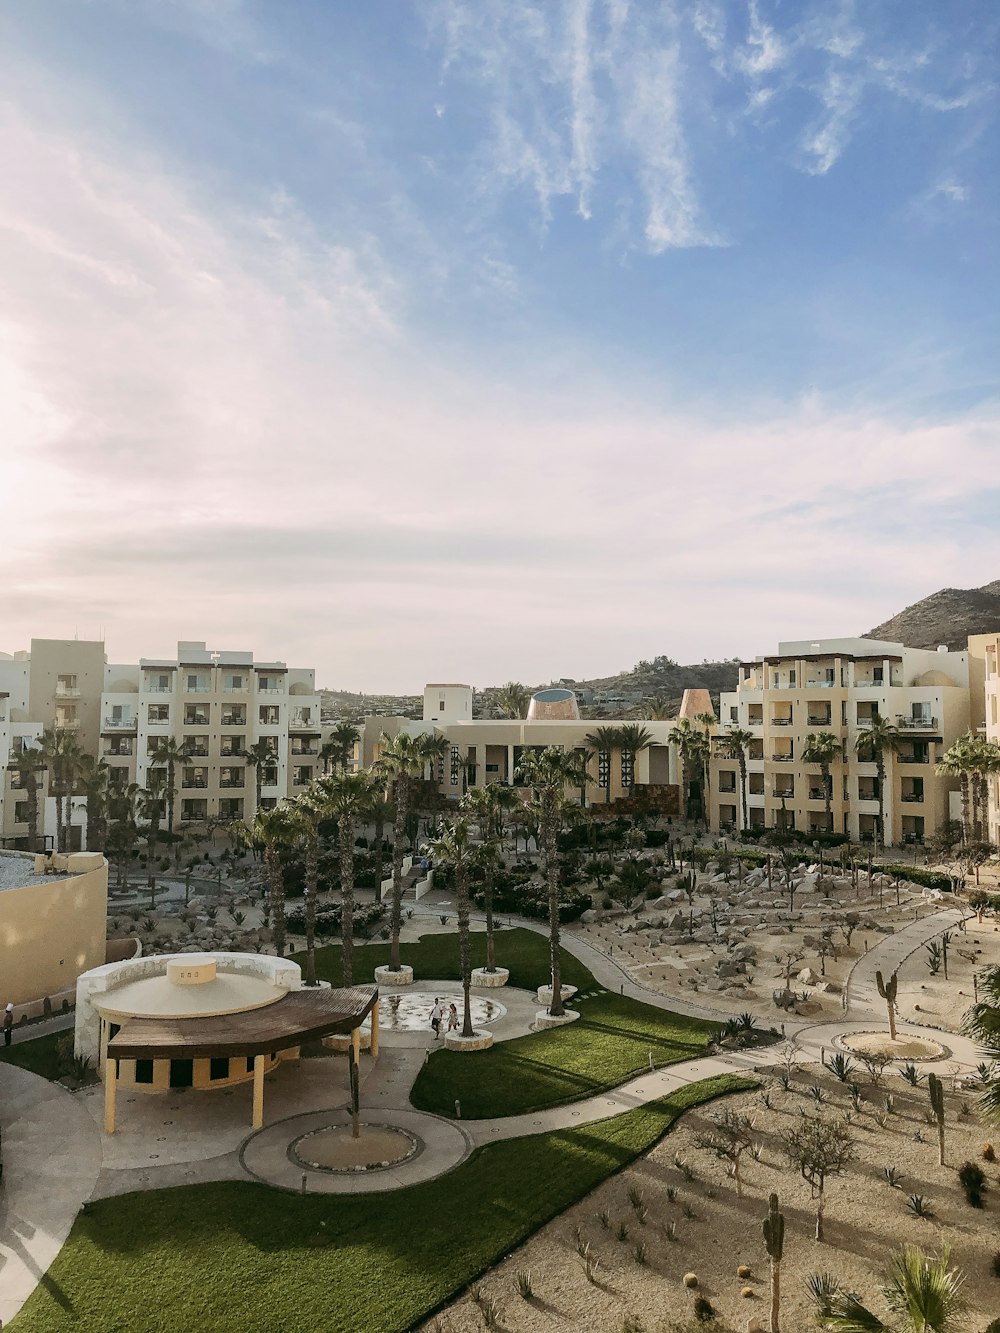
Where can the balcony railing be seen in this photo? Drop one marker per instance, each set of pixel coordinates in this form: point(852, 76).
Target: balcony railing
point(820, 684)
point(916, 723)
point(230, 754)
point(197, 689)
point(819, 721)
point(200, 753)
point(119, 724)
point(188, 783)
point(817, 794)
point(195, 720)
point(783, 758)
point(298, 722)
point(781, 721)
point(230, 783)
point(305, 750)
point(121, 752)
point(270, 689)
point(916, 797)
point(67, 692)
point(233, 720)
point(783, 795)
point(67, 723)
point(912, 759)
point(157, 689)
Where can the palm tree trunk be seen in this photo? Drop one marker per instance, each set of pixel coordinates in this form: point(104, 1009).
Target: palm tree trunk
point(312, 877)
point(966, 827)
point(398, 834)
point(464, 946)
point(347, 898)
point(549, 840)
point(827, 794)
point(743, 787)
point(880, 831)
point(276, 896)
point(31, 789)
point(491, 962)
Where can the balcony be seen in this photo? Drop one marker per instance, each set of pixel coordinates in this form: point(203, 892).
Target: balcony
point(783, 795)
point(67, 692)
point(195, 720)
point(188, 783)
point(197, 689)
point(820, 684)
point(303, 722)
point(902, 758)
point(817, 794)
point(819, 721)
point(230, 783)
point(781, 721)
point(305, 750)
point(157, 689)
point(782, 758)
point(913, 797)
point(122, 752)
point(67, 723)
point(916, 723)
point(200, 753)
point(119, 724)
point(233, 720)
point(270, 689)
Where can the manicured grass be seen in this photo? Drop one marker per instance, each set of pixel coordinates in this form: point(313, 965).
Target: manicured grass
point(608, 1043)
point(37, 1054)
point(235, 1255)
point(523, 952)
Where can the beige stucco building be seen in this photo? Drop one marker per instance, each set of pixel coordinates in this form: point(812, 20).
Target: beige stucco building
point(485, 750)
point(838, 685)
point(984, 671)
point(53, 922)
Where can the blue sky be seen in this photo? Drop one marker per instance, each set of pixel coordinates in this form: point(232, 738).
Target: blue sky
point(535, 337)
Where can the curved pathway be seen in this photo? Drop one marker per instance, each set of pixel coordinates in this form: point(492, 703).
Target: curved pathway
point(890, 953)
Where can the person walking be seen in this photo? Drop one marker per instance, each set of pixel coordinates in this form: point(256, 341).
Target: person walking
point(437, 1013)
point(452, 1018)
point(8, 1023)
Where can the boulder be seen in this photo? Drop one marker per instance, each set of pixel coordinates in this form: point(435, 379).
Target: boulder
point(588, 917)
point(729, 970)
point(807, 977)
point(829, 987)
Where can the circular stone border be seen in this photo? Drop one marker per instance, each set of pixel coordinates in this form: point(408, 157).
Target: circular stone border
point(543, 1019)
point(479, 1041)
point(945, 1053)
point(384, 976)
point(416, 1146)
point(498, 977)
point(544, 993)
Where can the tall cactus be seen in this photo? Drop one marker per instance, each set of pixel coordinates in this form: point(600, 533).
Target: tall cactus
point(774, 1240)
point(887, 989)
point(935, 1090)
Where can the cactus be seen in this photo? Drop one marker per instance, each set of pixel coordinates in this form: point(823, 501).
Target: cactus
point(887, 989)
point(935, 1090)
point(774, 1241)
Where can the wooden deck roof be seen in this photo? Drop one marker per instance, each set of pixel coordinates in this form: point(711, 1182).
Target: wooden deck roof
point(302, 1015)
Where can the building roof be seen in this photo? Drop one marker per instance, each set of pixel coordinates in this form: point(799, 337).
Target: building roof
point(302, 1015)
point(695, 702)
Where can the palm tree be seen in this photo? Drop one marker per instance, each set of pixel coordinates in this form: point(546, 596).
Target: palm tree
point(454, 847)
point(736, 743)
point(94, 777)
point(338, 748)
point(872, 745)
point(305, 815)
point(487, 806)
point(348, 798)
point(169, 753)
point(925, 1291)
point(28, 763)
point(259, 756)
point(982, 1023)
point(548, 773)
point(688, 740)
point(604, 741)
point(151, 809)
point(822, 748)
point(956, 762)
point(513, 699)
point(632, 738)
point(660, 708)
point(402, 759)
point(62, 754)
point(272, 831)
point(123, 833)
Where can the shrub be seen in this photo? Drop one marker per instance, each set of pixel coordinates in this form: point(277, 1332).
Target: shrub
point(743, 1270)
point(690, 1280)
point(972, 1178)
point(703, 1309)
point(988, 1154)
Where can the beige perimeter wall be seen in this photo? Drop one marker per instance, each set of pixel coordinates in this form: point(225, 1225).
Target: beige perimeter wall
point(50, 933)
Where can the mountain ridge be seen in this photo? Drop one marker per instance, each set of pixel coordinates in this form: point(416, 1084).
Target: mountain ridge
point(947, 617)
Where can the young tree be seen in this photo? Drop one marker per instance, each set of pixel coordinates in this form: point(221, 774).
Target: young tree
point(729, 1140)
point(548, 773)
point(819, 1147)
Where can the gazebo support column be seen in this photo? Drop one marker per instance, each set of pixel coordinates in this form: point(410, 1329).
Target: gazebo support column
point(356, 1044)
point(373, 1046)
point(258, 1091)
point(110, 1093)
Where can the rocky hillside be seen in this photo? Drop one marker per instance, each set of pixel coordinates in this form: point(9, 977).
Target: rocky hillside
point(948, 617)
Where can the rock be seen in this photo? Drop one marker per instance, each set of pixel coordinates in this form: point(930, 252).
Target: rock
point(661, 904)
point(675, 895)
point(829, 987)
point(807, 977)
point(729, 969)
point(588, 917)
point(676, 922)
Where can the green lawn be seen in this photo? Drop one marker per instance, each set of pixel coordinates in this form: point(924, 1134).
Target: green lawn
point(523, 952)
point(38, 1054)
point(235, 1255)
point(608, 1043)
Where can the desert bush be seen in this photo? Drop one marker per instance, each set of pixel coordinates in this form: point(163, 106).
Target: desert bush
point(972, 1178)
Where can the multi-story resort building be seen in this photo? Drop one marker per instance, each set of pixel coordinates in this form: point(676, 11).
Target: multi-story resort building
point(984, 671)
point(215, 706)
point(840, 686)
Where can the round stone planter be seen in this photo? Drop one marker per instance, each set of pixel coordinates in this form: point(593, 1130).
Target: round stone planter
point(479, 1041)
point(480, 977)
point(544, 995)
point(384, 976)
point(341, 1041)
point(543, 1019)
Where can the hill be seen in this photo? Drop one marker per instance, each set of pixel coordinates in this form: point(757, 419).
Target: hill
point(948, 616)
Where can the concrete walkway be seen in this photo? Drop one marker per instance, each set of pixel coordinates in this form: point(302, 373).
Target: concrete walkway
point(52, 1158)
point(890, 953)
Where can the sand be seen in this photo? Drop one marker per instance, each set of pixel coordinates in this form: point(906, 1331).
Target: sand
point(335, 1149)
point(865, 1220)
point(903, 1048)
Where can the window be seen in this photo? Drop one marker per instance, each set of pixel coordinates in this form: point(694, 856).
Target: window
point(234, 716)
point(791, 677)
point(159, 713)
point(734, 713)
point(143, 1071)
point(231, 808)
point(268, 714)
point(20, 812)
point(441, 706)
point(218, 1067)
